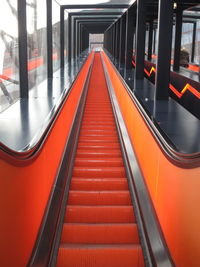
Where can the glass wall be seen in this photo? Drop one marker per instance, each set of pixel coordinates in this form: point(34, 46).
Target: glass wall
point(37, 41)
point(56, 35)
point(9, 58)
point(186, 41)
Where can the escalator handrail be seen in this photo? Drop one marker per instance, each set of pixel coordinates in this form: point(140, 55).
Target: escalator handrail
point(34, 147)
point(183, 160)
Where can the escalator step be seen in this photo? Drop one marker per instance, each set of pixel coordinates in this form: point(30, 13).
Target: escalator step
point(100, 256)
point(99, 214)
point(101, 184)
point(99, 228)
point(91, 162)
point(94, 146)
point(99, 198)
point(79, 233)
point(99, 172)
point(98, 153)
point(97, 134)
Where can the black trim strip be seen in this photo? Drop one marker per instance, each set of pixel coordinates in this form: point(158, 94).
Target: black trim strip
point(48, 236)
point(49, 39)
point(179, 159)
point(62, 38)
point(116, 6)
point(154, 246)
point(23, 55)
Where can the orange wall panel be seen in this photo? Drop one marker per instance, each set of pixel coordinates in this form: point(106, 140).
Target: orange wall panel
point(175, 191)
point(25, 190)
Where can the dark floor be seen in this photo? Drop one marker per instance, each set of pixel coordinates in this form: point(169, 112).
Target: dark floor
point(23, 123)
point(180, 127)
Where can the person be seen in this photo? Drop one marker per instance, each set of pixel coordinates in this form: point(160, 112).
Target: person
point(184, 58)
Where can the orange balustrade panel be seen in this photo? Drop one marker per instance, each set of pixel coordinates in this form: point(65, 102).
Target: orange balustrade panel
point(25, 190)
point(175, 192)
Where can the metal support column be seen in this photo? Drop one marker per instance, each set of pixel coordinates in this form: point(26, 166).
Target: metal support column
point(117, 40)
point(130, 28)
point(49, 40)
point(115, 35)
point(193, 41)
point(62, 39)
point(69, 40)
point(123, 38)
point(110, 40)
point(149, 57)
point(165, 23)
point(140, 39)
point(113, 48)
point(154, 41)
point(73, 38)
point(87, 39)
point(23, 56)
point(104, 40)
point(78, 39)
point(178, 34)
point(81, 38)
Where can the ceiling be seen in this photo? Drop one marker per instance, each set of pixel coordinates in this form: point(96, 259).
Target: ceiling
point(105, 9)
point(107, 14)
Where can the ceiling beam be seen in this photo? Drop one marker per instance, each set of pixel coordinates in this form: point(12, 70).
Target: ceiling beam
point(95, 13)
point(116, 6)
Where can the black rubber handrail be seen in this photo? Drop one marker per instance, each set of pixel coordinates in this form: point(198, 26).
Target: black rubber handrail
point(33, 149)
point(182, 160)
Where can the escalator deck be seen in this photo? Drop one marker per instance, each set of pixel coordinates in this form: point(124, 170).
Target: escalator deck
point(99, 227)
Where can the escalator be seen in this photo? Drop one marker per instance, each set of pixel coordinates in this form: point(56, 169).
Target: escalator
point(99, 179)
point(99, 227)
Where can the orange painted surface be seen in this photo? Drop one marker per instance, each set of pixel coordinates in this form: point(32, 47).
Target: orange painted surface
point(35, 63)
point(103, 184)
point(55, 56)
point(99, 214)
point(174, 191)
point(99, 228)
point(187, 87)
point(191, 66)
point(100, 256)
point(100, 233)
point(114, 162)
point(24, 191)
point(32, 64)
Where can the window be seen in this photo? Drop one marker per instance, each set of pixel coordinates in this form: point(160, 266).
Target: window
point(9, 57)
